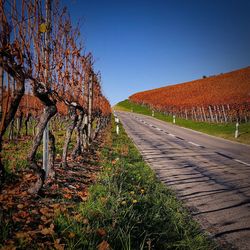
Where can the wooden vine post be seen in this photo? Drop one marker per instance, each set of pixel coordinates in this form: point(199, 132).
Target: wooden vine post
point(236, 135)
point(46, 75)
point(90, 103)
point(173, 119)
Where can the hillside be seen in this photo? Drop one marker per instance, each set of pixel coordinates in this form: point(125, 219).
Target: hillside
point(221, 93)
point(228, 88)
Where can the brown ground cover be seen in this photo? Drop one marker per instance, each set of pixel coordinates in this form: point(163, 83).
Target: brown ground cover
point(28, 220)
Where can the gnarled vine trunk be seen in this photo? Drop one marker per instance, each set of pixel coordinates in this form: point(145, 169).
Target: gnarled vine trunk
point(49, 112)
point(84, 132)
point(98, 128)
point(71, 126)
point(26, 122)
point(19, 124)
point(78, 149)
point(7, 116)
point(11, 129)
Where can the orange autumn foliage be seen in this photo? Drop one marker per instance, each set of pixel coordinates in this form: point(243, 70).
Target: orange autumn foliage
point(230, 88)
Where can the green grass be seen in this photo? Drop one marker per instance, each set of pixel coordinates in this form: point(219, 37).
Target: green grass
point(128, 208)
point(225, 131)
point(15, 152)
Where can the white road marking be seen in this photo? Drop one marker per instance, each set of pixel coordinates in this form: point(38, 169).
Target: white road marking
point(242, 162)
point(153, 126)
point(195, 144)
point(171, 135)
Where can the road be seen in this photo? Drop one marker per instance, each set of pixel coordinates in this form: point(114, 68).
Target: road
point(210, 175)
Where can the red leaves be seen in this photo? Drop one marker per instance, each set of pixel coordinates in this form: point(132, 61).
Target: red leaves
point(229, 88)
point(76, 52)
point(67, 196)
point(20, 216)
point(67, 52)
point(83, 195)
point(104, 245)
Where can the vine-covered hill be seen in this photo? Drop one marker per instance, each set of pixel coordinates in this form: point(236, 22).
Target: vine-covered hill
point(229, 88)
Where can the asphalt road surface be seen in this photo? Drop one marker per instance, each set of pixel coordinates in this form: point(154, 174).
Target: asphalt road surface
point(210, 175)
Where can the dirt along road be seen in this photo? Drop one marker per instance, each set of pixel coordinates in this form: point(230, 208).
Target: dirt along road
point(210, 175)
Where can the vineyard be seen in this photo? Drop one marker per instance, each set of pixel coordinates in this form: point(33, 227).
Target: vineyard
point(218, 99)
point(47, 82)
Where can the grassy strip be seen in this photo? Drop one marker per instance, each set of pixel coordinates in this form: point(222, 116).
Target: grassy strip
point(128, 208)
point(217, 129)
point(15, 152)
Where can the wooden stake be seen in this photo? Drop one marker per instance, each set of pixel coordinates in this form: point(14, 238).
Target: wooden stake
point(46, 74)
point(205, 118)
point(236, 130)
point(224, 113)
point(90, 102)
point(211, 114)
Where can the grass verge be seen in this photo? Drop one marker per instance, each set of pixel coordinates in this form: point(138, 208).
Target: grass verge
point(225, 131)
point(128, 208)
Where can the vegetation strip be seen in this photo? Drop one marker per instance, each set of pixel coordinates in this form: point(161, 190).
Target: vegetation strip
point(226, 131)
point(128, 208)
point(27, 221)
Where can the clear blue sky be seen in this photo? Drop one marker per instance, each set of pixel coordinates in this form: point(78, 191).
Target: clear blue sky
point(145, 44)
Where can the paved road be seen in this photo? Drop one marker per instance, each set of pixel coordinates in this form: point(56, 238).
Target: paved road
point(211, 175)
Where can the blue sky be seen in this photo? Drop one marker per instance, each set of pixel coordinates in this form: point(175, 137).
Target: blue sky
point(145, 44)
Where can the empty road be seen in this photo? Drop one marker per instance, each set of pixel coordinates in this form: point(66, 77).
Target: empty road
point(210, 175)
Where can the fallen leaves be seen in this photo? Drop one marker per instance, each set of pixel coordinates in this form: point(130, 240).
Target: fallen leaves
point(72, 235)
point(55, 206)
point(29, 177)
point(20, 216)
point(83, 195)
point(44, 210)
point(24, 237)
point(23, 214)
point(57, 245)
point(67, 196)
point(104, 245)
point(101, 232)
point(31, 217)
point(115, 161)
point(48, 230)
